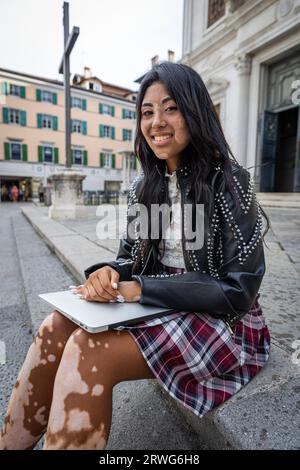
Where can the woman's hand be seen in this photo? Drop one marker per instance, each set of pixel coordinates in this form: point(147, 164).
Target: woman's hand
point(130, 290)
point(101, 286)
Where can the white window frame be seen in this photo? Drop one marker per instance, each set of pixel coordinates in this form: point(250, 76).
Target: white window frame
point(44, 153)
point(128, 132)
point(107, 160)
point(47, 96)
point(106, 109)
point(76, 102)
point(14, 116)
point(47, 121)
point(77, 126)
point(75, 150)
point(14, 90)
point(129, 114)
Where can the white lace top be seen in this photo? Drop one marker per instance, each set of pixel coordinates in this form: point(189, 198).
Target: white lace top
point(173, 240)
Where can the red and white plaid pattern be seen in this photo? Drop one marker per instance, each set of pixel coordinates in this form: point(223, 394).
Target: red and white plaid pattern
point(196, 359)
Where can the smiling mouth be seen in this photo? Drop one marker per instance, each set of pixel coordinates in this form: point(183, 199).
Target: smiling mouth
point(161, 138)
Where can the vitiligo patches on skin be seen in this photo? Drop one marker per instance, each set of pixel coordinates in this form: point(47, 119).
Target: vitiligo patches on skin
point(91, 343)
point(97, 390)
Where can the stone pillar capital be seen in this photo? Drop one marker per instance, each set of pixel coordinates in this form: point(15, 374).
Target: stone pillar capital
point(243, 64)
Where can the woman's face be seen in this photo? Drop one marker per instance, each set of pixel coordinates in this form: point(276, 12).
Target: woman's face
point(163, 125)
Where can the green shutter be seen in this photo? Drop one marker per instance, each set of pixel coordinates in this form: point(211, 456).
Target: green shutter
point(55, 123)
point(123, 113)
point(23, 92)
point(101, 160)
point(24, 152)
point(134, 115)
point(38, 95)
point(54, 98)
point(85, 158)
point(101, 131)
point(23, 118)
point(84, 127)
point(112, 132)
point(72, 156)
point(71, 125)
point(113, 160)
point(100, 108)
point(4, 88)
point(124, 131)
point(112, 110)
point(5, 115)
point(40, 153)
point(6, 151)
point(40, 120)
point(55, 155)
point(84, 105)
point(134, 162)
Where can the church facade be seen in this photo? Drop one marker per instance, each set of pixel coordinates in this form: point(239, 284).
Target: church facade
point(248, 55)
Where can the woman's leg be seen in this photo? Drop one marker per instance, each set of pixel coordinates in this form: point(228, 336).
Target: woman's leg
point(28, 410)
point(81, 410)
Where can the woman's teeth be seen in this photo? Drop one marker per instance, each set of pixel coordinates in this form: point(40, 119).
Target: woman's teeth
point(162, 138)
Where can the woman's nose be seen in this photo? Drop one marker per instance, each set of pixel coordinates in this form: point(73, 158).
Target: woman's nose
point(157, 119)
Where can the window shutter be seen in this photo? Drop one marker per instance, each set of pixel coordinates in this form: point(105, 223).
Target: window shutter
point(84, 127)
point(124, 137)
point(134, 162)
point(55, 123)
point(6, 151)
point(113, 160)
point(4, 88)
point(85, 158)
point(134, 115)
point(101, 130)
point(54, 98)
point(101, 160)
point(112, 110)
point(24, 152)
point(5, 115)
point(39, 120)
point(84, 105)
point(112, 132)
point(55, 155)
point(38, 95)
point(23, 118)
point(71, 125)
point(23, 92)
point(72, 156)
point(40, 153)
point(100, 108)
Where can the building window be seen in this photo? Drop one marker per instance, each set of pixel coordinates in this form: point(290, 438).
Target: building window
point(133, 162)
point(48, 154)
point(106, 109)
point(216, 9)
point(107, 131)
point(46, 96)
point(127, 134)
point(128, 114)
point(76, 126)
point(78, 103)
point(14, 90)
point(15, 151)
point(47, 121)
point(107, 160)
point(14, 116)
point(77, 156)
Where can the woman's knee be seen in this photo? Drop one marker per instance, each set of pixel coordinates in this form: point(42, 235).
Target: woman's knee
point(56, 323)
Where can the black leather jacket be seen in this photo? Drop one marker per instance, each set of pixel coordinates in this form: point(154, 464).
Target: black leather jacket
point(224, 276)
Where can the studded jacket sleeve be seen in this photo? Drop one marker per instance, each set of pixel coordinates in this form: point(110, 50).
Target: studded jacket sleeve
point(123, 262)
point(229, 289)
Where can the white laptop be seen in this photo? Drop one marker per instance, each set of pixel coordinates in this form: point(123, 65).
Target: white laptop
point(95, 317)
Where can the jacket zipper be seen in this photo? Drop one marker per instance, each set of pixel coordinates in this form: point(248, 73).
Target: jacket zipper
point(145, 265)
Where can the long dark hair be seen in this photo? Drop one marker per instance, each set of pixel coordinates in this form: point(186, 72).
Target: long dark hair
point(207, 148)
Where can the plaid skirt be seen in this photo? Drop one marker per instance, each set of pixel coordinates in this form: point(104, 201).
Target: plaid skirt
point(196, 358)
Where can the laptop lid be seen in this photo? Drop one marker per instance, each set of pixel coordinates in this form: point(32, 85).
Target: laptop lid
point(95, 317)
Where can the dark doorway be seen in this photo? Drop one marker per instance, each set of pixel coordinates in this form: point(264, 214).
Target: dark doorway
point(280, 151)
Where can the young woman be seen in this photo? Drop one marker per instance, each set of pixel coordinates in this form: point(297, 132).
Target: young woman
point(215, 341)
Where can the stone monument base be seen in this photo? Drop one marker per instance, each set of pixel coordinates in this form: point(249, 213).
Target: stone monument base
point(67, 196)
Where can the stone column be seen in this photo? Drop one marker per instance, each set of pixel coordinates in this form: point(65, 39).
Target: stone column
point(243, 66)
point(67, 196)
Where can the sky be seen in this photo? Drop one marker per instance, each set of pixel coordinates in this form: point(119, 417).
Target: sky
point(117, 38)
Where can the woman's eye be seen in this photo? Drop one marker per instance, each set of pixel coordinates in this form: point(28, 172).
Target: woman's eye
point(169, 108)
